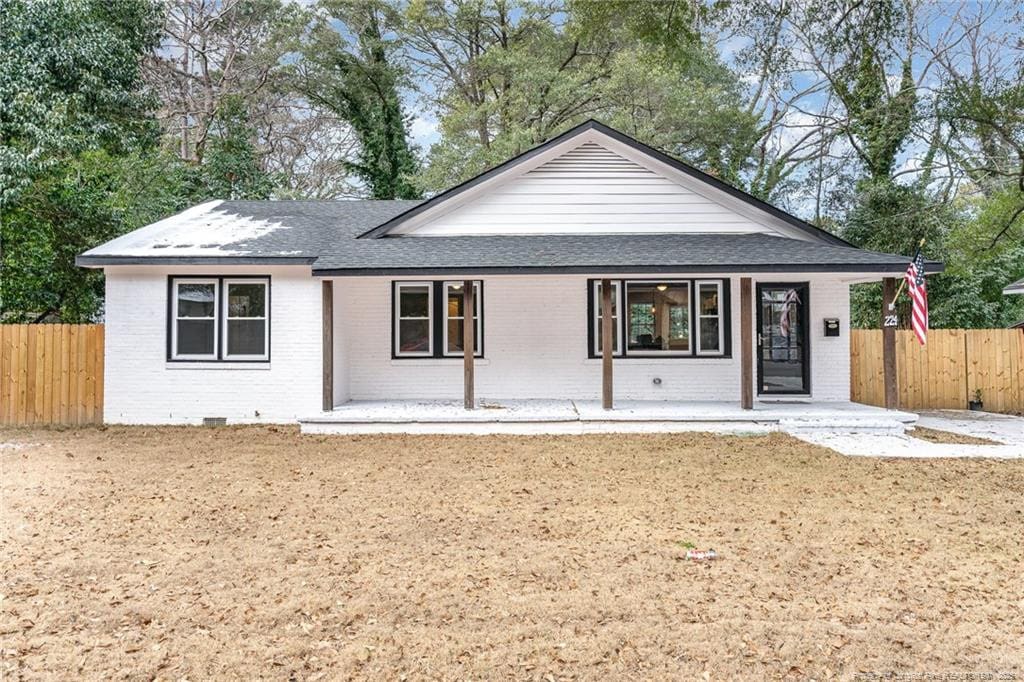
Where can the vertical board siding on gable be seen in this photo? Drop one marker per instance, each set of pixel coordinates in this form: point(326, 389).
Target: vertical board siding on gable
point(589, 189)
point(143, 388)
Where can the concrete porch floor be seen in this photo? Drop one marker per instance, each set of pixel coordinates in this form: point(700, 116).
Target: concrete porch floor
point(587, 416)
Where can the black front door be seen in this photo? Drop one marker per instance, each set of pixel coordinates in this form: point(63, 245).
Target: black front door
point(783, 350)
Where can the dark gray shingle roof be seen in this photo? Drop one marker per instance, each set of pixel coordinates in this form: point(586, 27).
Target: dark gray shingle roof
point(325, 233)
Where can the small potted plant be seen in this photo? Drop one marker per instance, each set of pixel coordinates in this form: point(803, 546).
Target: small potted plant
point(976, 403)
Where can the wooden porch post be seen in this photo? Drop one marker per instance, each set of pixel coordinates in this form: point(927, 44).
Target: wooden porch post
point(892, 398)
point(746, 345)
point(327, 334)
point(607, 330)
point(468, 345)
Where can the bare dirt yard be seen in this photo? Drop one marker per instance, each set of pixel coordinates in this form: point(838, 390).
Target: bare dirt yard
point(193, 553)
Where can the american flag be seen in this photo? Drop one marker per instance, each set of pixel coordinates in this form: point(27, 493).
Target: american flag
point(791, 298)
point(919, 295)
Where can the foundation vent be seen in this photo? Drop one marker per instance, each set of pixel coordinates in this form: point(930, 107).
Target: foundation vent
point(215, 421)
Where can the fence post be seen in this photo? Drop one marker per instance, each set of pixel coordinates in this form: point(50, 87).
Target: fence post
point(892, 399)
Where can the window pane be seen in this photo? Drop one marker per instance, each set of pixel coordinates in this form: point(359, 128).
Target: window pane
point(195, 337)
point(709, 334)
point(455, 302)
point(455, 337)
point(413, 336)
point(245, 337)
point(247, 300)
point(615, 301)
point(600, 338)
point(195, 300)
point(658, 317)
point(414, 302)
point(708, 299)
point(598, 307)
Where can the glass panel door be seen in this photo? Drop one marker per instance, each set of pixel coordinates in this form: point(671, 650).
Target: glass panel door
point(782, 342)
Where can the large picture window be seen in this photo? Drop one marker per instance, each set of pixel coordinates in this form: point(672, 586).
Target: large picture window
point(429, 318)
point(664, 318)
point(219, 319)
point(658, 318)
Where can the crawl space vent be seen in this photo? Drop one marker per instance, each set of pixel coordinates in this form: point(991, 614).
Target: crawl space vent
point(215, 421)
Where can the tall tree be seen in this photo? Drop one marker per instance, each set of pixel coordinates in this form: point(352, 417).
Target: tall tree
point(505, 76)
point(502, 77)
point(75, 142)
point(357, 77)
point(218, 51)
point(232, 168)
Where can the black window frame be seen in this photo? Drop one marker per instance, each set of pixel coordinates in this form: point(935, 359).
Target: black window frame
point(220, 318)
point(623, 352)
point(438, 318)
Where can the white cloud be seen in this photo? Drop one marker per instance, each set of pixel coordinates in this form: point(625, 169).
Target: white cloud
point(424, 131)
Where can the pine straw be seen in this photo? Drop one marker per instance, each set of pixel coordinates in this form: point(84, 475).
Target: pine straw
point(245, 552)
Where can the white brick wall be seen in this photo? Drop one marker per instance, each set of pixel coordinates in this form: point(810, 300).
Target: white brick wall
point(142, 387)
point(535, 331)
point(535, 343)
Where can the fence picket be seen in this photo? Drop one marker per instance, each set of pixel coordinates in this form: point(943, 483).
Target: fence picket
point(944, 373)
point(51, 374)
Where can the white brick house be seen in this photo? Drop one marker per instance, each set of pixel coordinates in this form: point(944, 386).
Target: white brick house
point(275, 311)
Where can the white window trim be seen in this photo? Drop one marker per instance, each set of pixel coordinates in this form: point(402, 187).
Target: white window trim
point(700, 317)
point(175, 283)
point(689, 321)
point(478, 319)
point(429, 353)
point(617, 317)
point(265, 318)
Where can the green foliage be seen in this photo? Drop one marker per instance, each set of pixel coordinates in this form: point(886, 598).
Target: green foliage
point(640, 67)
point(879, 123)
point(693, 110)
point(74, 127)
point(87, 200)
point(231, 167)
point(69, 82)
point(359, 82)
point(894, 218)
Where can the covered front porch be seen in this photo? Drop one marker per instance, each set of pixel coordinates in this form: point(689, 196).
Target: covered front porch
point(589, 416)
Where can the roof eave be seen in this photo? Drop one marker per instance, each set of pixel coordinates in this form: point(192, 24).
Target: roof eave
point(98, 261)
point(880, 269)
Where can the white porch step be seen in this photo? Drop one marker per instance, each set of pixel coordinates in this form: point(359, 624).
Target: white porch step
point(867, 425)
point(565, 416)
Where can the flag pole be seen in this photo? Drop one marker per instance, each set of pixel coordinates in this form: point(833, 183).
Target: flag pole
point(903, 282)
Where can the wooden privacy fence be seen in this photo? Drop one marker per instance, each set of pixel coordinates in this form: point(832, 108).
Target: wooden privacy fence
point(944, 373)
point(51, 374)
